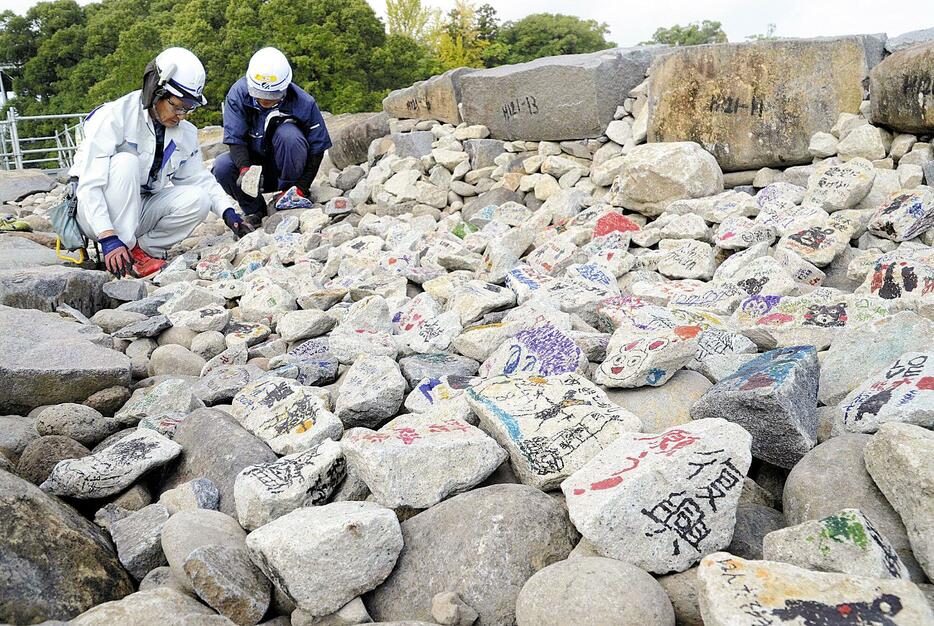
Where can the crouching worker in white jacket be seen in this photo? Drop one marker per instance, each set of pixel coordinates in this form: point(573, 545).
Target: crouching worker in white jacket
point(142, 186)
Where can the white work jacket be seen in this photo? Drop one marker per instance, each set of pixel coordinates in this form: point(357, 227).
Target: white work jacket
point(124, 125)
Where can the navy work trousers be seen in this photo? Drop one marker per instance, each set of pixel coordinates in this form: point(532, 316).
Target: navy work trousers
point(281, 169)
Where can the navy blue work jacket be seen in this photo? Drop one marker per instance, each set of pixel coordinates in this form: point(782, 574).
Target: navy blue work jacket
point(245, 119)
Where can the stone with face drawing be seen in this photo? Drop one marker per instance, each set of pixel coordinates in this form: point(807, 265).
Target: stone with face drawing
point(637, 360)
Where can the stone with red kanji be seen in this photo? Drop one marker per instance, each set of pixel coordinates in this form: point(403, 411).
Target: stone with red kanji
point(419, 459)
point(549, 425)
point(902, 392)
point(286, 415)
point(774, 397)
point(664, 501)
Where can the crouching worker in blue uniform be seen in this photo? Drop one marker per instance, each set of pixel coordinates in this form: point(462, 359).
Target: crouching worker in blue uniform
point(276, 135)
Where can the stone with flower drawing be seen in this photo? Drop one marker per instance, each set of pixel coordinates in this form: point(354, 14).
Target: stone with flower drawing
point(639, 358)
point(663, 501)
point(845, 542)
point(549, 425)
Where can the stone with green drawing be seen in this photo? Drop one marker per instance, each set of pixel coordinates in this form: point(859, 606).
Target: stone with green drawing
point(844, 542)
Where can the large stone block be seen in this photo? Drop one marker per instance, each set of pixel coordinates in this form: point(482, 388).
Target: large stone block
point(351, 134)
point(902, 90)
point(433, 99)
point(18, 253)
point(755, 104)
point(46, 360)
point(17, 184)
point(44, 288)
point(555, 98)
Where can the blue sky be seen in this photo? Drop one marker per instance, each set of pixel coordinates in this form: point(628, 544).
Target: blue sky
point(634, 21)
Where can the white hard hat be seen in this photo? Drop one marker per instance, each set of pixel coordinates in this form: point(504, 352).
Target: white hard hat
point(181, 74)
point(268, 75)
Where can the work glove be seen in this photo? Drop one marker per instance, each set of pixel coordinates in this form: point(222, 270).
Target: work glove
point(250, 180)
point(236, 224)
point(117, 257)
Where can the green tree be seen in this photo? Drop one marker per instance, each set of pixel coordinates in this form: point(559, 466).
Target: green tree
point(487, 23)
point(546, 34)
point(456, 40)
point(67, 58)
point(768, 35)
point(409, 18)
point(693, 34)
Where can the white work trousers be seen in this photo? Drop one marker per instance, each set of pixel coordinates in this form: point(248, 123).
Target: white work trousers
point(156, 221)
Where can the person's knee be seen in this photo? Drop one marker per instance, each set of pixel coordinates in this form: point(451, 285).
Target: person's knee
point(289, 135)
point(224, 168)
point(124, 167)
point(196, 202)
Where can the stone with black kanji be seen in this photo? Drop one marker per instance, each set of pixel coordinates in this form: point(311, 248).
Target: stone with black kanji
point(287, 416)
point(774, 397)
point(551, 426)
point(664, 501)
point(371, 393)
point(267, 491)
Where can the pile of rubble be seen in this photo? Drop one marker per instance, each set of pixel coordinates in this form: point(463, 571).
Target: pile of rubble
point(633, 366)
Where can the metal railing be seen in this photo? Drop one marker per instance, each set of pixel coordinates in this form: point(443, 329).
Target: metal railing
point(56, 148)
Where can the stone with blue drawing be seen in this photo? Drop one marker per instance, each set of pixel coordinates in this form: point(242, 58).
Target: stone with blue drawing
point(430, 392)
point(550, 425)
point(437, 365)
point(543, 349)
point(293, 199)
point(904, 215)
point(774, 397)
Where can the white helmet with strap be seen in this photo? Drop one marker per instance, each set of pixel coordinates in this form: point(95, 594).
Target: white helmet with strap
point(182, 75)
point(268, 75)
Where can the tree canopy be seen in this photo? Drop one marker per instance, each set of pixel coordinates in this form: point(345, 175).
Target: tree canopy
point(68, 58)
point(693, 34)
